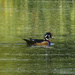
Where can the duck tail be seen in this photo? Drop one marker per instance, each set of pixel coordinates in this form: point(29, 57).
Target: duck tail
point(26, 40)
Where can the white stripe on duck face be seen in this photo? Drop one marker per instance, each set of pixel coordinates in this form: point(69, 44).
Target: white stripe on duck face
point(45, 35)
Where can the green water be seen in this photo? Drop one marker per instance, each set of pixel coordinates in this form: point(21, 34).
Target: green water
point(21, 19)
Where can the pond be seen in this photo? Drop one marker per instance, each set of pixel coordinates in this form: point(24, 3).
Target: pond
point(21, 19)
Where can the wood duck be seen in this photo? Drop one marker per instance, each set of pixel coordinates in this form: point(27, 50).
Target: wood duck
point(40, 42)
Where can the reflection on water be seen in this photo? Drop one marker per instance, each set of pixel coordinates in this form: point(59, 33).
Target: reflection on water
point(31, 19)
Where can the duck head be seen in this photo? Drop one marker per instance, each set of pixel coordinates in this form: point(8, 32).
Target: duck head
point(48, 35)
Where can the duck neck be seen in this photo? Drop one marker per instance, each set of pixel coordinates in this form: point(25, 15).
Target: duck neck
point(46, 39)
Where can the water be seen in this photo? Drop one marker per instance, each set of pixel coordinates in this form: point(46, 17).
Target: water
point(31, 19)
point(19, 59)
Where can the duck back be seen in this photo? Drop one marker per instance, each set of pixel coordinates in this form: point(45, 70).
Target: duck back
point(37, 40)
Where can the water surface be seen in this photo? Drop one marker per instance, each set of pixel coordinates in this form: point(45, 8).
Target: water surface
point(31, 19)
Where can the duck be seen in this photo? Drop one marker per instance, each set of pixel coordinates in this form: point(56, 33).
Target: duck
point(40, 42)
